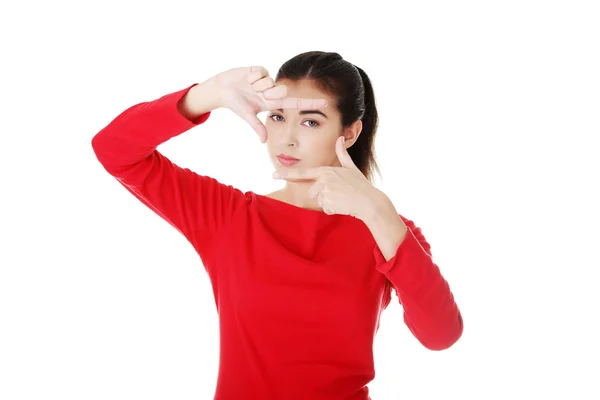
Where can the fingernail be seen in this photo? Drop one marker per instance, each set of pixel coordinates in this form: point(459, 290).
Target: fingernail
point(276, 175)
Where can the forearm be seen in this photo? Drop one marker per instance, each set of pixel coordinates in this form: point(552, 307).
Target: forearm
point(135, 133)
point(385, 225)
point(200, 99)
point(404, 256)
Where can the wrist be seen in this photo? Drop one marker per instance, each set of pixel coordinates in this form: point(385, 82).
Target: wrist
point(206, 96)
point(380, 207)
point(200, 99)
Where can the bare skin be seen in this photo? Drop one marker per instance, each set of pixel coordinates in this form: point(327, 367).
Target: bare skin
point(311, 138)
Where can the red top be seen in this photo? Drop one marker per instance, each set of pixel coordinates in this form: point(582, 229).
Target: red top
point(298, 308)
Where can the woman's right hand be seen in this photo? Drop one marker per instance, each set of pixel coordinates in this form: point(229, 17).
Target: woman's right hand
point(248, 91)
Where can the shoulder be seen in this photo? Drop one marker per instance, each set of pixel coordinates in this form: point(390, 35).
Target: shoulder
point(408, 222)
point(417, 232)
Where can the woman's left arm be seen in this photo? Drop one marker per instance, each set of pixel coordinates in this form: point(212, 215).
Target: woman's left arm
point(404, 257)
point(402, 253)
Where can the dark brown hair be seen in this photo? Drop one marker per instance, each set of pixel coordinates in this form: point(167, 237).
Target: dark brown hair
point(352, 89)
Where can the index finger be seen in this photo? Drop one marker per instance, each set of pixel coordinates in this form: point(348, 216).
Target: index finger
point(294, 102)
point(299, 175)
point(255, 73)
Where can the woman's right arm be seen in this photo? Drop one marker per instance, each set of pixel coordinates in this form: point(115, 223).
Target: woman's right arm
point(197, 206)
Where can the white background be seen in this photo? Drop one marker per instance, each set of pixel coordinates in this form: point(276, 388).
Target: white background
point(489, 120)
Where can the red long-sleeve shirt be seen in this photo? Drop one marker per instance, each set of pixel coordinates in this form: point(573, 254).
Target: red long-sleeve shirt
point(299, 293)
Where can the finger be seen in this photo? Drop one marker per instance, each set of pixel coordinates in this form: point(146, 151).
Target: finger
point(342, 153)
point(315, 189)
point(275, 93)
point(320, 200)
point(255, 73)
point(257, 125)
point(273, 102)
point(263, 84)
point(299, 175)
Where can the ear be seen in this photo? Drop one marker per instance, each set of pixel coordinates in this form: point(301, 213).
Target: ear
point(352, 132)
point(342, 153)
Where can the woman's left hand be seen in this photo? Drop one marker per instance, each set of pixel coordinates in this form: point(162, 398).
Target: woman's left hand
point(338, 190)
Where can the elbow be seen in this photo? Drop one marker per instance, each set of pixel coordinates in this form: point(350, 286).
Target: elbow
point(107, 151)
point(441, 337)
point(97, 145)
point(439, 345)
point(99, 142)
point(450, 336)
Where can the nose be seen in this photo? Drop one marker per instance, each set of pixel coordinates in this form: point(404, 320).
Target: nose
point(289, 136)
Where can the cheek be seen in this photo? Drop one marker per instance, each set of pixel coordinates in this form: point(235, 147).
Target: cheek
point(323, 149)
point(271, 149)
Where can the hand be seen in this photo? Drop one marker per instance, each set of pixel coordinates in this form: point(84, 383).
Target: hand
point(249, 90)
point(338, 190)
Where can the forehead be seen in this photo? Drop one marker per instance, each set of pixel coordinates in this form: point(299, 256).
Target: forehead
point(306, 89)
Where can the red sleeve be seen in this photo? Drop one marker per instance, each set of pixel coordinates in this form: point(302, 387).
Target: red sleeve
point(197, 206)
point(430, 311)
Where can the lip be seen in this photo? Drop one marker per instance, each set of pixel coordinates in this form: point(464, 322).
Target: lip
point(286, 160)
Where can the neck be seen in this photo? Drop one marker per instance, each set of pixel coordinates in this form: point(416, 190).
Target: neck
point(296, 193)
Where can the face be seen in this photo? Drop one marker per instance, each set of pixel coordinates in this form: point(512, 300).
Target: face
point(297, 140)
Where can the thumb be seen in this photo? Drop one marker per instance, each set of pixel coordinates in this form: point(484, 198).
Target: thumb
point(257, 125)
point(342, 153)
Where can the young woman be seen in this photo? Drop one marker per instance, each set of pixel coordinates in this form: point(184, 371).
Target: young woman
point(300, 276)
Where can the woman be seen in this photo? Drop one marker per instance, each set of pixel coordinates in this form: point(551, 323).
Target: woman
point(300, 276)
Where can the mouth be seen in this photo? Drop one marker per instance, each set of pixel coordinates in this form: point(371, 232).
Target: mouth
point(287, 160)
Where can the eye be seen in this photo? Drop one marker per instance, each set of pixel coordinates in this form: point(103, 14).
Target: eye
point(309, 120)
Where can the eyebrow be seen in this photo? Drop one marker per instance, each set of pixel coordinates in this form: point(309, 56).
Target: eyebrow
point(304, 112)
